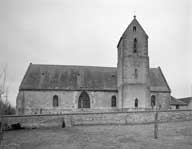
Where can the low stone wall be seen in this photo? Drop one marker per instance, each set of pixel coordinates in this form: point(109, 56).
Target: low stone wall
point(97, 118)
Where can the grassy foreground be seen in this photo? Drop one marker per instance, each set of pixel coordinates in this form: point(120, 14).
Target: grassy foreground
point(171, 136)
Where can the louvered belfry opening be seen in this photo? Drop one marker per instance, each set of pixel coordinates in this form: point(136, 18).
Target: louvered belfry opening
point(84, 100)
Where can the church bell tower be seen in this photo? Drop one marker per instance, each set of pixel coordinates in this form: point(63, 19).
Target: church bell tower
point(133, 68)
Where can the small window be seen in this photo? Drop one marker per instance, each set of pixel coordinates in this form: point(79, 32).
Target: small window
point(177, 106)
point(55, 101)
point(136, 74)
point(134, 28)
point(136, 103)
point(113, 101)
point(153, 101)
point(135, 45)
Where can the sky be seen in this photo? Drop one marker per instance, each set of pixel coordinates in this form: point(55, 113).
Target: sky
point(86, 32)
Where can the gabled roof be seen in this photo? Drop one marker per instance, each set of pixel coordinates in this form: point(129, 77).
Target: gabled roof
point(63, 77)
point(186, 100)
point(158, 81)
point(175, 101)
point(133, 22)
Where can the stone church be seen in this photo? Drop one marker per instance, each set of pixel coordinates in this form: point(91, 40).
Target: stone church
point(132, 85)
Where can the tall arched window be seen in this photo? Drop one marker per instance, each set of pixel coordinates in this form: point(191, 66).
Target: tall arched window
point(153, 101)
point(55, 101)
point(136, 103)
point(135, 45)
point(134, 28)
point(113, 101)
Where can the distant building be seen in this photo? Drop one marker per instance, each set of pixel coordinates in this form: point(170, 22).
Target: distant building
point(181, 103)
point(132, 85)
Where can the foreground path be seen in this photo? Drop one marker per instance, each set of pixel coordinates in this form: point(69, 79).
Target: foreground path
point(171, 136)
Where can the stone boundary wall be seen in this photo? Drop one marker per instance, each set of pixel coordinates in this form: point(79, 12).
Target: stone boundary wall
point(97, 118)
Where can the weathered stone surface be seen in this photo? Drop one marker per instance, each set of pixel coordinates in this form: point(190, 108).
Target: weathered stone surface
point(99, 118)
point(41, 102)
point(133, 67)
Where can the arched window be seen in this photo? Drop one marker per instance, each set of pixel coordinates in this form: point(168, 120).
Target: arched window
point(153, 101)
point(136, 103)
point(134, 28)
point(135, 45)
point(55, 101)
point(113, 101)
point(136, 74)
point(84, 100)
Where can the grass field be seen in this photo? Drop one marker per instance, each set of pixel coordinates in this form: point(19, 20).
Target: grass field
point(171, 136)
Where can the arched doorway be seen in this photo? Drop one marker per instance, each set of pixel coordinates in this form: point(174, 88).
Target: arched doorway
point(84, 100)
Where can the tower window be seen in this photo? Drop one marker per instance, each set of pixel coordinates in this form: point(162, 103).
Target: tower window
point(136, 74)
point(55, 101)
point(134, 28)
point(135, 45)
point(153, 101)
point(136, 103)
point(113, 101)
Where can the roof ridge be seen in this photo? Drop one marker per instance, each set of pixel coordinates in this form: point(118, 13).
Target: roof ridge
point(185, 97)
point(88, 66)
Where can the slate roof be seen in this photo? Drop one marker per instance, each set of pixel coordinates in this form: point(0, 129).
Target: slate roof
point(158, 81)
point(186, 100)
point(63, 77)
point(175, 101)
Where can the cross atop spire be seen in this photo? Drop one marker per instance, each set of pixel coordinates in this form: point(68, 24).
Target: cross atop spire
point(134, 15)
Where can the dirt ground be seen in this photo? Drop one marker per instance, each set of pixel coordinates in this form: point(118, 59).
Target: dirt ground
point(171, 136)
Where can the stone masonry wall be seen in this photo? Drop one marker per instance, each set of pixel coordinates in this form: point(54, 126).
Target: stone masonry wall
point(133, 67)
point(102, 118)
point(162, 100)
point(41, 102)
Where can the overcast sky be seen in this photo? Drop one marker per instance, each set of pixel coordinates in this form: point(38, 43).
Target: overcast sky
point(86, 32)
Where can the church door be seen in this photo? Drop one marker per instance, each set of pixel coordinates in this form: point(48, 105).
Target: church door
point(84, 100)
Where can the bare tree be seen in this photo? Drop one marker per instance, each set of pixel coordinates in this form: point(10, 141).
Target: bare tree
point(3, 76)
point(1, 119)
